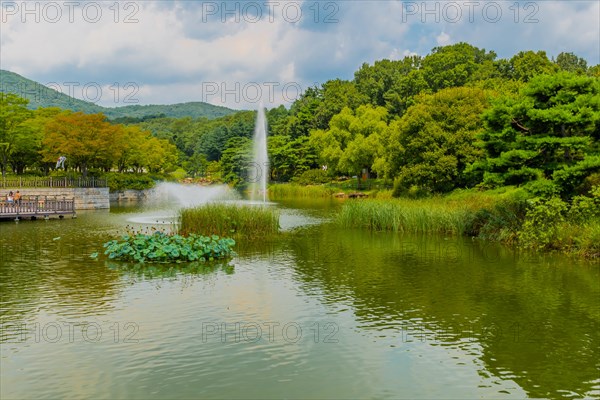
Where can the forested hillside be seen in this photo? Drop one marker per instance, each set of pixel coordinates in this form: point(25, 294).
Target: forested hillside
point(457, 118)
point(56, 95)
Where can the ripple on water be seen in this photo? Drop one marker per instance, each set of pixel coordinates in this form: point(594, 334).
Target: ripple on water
point(376, 321)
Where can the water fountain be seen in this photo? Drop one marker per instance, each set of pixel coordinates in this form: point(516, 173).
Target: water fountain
point(260, 164)
point(163, 203)
point(176, 195)
point(168, 198)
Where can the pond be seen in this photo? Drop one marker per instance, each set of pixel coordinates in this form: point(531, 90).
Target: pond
point(319, 312)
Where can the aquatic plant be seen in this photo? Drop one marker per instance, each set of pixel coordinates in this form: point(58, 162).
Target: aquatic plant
point(229, 220)
point(290, 190)
point(161, 247)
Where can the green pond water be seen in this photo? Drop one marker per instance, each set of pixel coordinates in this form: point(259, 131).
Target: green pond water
point(320, 312)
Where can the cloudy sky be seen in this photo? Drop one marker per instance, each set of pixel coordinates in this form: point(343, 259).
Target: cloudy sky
point(241, 53)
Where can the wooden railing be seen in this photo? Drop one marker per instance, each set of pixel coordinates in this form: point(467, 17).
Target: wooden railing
point(51, 182)
point(30, 206)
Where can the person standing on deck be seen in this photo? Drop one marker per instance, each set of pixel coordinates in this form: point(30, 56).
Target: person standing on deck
point(17, 198)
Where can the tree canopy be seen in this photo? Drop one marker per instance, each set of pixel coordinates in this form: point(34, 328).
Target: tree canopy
point(454, 118)
point(553, 124)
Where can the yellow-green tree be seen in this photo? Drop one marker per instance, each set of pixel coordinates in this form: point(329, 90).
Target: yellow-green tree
point(354, 140)
point(159, 154)
point(86, 140)
point(27, 154)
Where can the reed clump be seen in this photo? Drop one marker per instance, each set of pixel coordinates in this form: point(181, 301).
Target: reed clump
point(510, 216)
point(288, 190)
point(229, 220)
point(406, 216)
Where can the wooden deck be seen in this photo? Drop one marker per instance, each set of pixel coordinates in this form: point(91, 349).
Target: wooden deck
point(37, 207)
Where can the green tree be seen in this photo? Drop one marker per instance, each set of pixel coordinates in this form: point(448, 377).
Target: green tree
point(401, 96)
point(347, 146)
point(454, 65)
point(129, 152)
point(196, 165)
point(594, 71)
point(391, 84)
point(290, 158)
point(571, 63)
point(277, 120)
point(336, 94)
point(434, 142)
point(302, 113)
point(553, 124)
point(527, 64)
point(375, 81)
point(14, 134)
point(27, 152)
point(213, 137)
point(236, 163)
point(159, 155)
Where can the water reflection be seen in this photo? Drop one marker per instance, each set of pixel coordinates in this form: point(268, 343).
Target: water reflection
point(168, 271)
point(380, 316)
point(50, 269)
point(533, 320)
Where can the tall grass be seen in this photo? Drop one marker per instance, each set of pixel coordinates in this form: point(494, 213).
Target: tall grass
point(407, 216)
point(385, 194)
point(229, 220)
point(460, 213)
point(290, 190)
point(581, 239)
point(494, 215)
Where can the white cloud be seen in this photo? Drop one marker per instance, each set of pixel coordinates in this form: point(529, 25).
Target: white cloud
point(175, 49)
point(443, 39)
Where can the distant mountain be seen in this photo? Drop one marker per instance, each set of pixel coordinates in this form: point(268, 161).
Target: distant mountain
point(194, 110)
point(40, 96)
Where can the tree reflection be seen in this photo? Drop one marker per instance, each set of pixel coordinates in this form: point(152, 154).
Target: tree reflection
point(535, 318)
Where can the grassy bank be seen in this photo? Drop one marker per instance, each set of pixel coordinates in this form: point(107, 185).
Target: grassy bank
point(372, 188)
point(509, 215)
point(291, 190)
point(229, 220)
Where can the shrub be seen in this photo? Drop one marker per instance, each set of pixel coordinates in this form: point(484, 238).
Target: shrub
point(502, 221)
point(541, 222)
point(542, 188)
point(383, 194)
point(412, 192)
point(118, 181)
point(588, 184)
point(584, 208)
point(312, 177)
